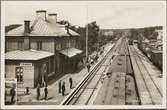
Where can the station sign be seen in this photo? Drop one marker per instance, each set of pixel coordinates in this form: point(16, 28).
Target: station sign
point(25, 64)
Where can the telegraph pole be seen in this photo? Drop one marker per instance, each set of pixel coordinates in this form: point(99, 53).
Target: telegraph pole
point(87, 43)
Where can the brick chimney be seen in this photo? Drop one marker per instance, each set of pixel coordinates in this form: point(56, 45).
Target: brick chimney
point(67, 27)
point(26, 27)
point(52, 17)
point(26, 33)
point(41, 14)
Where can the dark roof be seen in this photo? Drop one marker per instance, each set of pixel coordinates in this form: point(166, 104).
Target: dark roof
point(52, 14)
point(10, 27)
point(38, 11)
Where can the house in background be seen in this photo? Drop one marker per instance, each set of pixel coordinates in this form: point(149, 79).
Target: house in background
point(159, 43)
point(40, 50)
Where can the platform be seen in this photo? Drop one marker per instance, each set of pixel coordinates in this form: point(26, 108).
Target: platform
point(55, 98)
point(148, 80)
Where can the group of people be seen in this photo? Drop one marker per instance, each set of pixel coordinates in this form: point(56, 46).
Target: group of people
point(92, 61)
point(39, 92)
point(62, 86)
point(12, 93)
point(62, 89)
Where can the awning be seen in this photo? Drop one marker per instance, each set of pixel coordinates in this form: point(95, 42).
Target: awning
point(70, 52)
point(27, 55)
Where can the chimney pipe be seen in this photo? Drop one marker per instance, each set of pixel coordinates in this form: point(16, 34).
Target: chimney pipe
point(27, 27)
point(41, 14)
point(67, 25)
point(52, 17)
point(26, 32)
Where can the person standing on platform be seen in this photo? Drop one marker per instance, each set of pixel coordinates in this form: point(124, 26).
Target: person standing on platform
point(27, 90)
point(46, 92)
point(70, 80)
point(59, 86)
point(12, 93)
point(63, 89)
point(38, 91)
point(97, 57)
point(88, 66)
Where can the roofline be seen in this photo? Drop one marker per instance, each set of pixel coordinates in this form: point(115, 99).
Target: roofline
point(52, 14)
point(38, 11)
point(68, 34)
point(29, 59)
point(41, 36)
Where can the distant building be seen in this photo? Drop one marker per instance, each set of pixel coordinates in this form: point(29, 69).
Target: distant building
point(159, 43)
point(108, 33)
point(40, 50)
point(160, 34)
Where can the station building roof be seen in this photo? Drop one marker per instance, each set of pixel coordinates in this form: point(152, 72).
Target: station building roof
point(157, 51)
point(41, 27)
point(27, 55)
point(70, 52)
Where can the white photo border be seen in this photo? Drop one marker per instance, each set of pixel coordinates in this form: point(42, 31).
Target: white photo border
point(3, 106)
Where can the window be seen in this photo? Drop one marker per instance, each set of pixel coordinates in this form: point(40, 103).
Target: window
point(69, 43)
point(66, 43)
point(39, 45)
point(63, 44)
point(58, 45)
point(73, 42)
point(51, 62)
point(20, 45)
point(6, 46)
point(19, 74)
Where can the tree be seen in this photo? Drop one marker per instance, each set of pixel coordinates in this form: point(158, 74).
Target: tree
point(93, 31)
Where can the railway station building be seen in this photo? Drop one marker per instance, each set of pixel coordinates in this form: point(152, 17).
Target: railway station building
point(40, 50)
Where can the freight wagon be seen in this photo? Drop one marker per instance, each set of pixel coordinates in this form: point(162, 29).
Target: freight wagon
point(154, 55)
point(130, 41)
point(156, 58)
point(144, 48)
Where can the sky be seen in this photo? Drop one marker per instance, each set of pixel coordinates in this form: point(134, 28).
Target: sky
point(107, 14)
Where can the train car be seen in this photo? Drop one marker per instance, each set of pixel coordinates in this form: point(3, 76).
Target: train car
point(156, 58)
point(135, 41)
point(145, 48)
point(154, 55)
point(130, 41)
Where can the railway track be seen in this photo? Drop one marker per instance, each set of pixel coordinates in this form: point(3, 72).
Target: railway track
point(119, 88)
point(150, 93)
point(84, 91)
point(129, 81)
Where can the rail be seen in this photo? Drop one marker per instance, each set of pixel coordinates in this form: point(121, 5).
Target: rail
point(70, 97)
point(149, 77)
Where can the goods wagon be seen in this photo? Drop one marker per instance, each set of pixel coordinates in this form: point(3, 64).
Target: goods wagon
point(154, 55)
point(156, 58)
point(130, 42)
